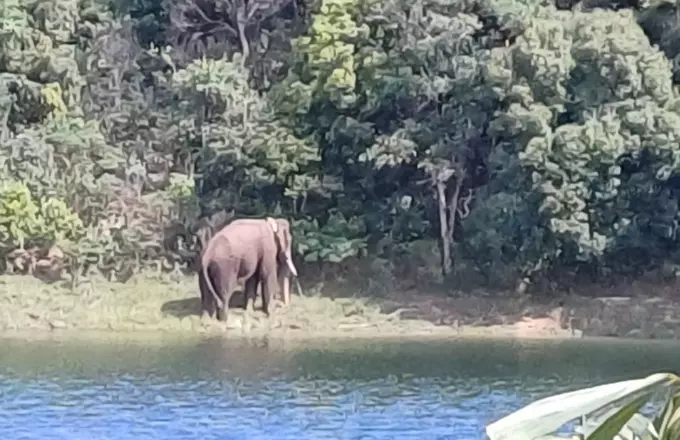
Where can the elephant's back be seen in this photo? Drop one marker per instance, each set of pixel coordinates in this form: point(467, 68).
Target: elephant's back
point(245, 239)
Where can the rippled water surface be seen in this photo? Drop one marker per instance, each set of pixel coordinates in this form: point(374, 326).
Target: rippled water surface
point(219, 389)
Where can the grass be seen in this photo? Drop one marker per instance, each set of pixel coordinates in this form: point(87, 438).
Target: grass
point(166, 303)
point(147, 303)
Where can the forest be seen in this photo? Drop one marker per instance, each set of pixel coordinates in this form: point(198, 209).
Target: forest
point(500, 142)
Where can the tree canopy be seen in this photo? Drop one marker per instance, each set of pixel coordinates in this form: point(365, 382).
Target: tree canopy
point(495, 140)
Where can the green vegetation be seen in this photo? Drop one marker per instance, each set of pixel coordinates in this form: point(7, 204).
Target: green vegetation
point(495, 143)
point(607, 412)
point(169, 303)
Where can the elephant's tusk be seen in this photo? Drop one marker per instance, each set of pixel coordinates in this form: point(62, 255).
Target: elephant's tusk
point(291, 267)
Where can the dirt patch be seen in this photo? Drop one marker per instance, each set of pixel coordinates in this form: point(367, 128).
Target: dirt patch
point(149, 304)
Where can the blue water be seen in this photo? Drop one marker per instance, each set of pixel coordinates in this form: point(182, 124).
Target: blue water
point(218, 389)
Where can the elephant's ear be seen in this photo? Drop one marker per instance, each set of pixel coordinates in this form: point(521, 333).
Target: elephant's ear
point(273, 224)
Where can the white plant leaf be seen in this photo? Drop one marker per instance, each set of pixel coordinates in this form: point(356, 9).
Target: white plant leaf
point(636, 428)
point(546, 416)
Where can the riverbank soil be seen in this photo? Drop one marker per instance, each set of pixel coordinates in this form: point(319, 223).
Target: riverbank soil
point(166, 303)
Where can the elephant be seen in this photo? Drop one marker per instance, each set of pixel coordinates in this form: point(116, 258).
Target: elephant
point(249, 252)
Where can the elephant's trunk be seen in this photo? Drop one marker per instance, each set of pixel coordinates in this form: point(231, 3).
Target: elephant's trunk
point(286, 289)
point(286, 272)
point(299, 286)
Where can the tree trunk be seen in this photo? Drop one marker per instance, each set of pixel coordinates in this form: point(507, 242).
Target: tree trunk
point(445, 242)
point(453, 212)
point(241, 21)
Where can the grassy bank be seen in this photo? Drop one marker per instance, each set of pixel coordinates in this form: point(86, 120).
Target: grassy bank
point(171, 304)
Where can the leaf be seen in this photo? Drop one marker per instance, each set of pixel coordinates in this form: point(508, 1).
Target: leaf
point(547, 415)
point(670, 420)
point(313, 256)
point(615, 422)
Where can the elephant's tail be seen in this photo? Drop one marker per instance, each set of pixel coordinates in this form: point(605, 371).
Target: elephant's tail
point(209, 283)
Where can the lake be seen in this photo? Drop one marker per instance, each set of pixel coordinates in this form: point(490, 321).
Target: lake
point(353, 389)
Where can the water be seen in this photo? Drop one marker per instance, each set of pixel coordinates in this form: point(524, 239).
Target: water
point(217, 389)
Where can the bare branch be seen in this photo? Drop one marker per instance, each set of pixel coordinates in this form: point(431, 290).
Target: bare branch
point(463, 207)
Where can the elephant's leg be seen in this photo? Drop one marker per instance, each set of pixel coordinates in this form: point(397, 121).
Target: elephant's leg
point(269, 288)
point(250, 293)
point(227, 291)
point(220, 309)
point(207, 300)
point(225, 284)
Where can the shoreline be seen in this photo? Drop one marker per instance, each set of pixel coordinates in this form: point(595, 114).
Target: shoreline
point(308, 340)
point(157, 307)
point(303, 336)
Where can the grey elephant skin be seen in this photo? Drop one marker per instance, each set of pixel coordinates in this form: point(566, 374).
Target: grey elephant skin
point(246, 252)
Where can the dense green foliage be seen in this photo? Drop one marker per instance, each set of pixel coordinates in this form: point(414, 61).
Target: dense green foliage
point(510, 140)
